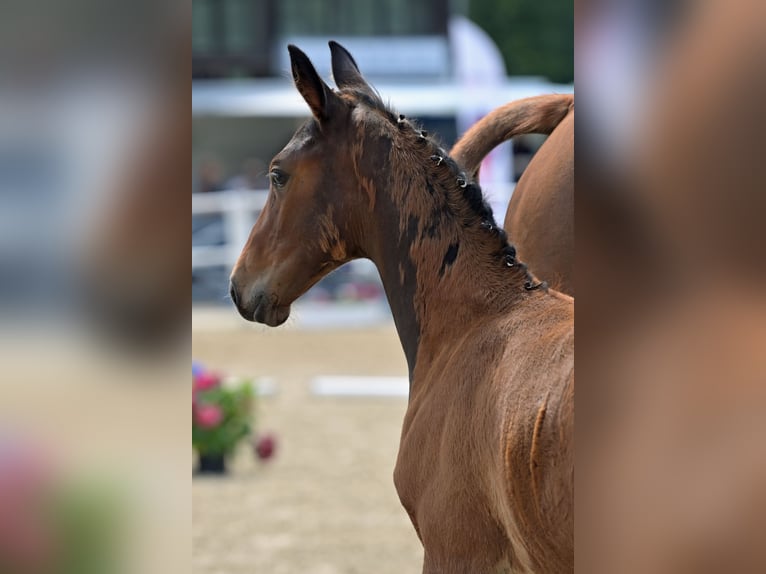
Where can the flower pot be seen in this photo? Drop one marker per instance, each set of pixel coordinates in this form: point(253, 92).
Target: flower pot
point(211, 464)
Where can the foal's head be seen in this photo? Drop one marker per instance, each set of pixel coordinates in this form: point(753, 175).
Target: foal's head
point(307, 227)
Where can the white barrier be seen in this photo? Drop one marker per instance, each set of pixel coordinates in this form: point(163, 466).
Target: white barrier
point(349, 386)
point(240, 209)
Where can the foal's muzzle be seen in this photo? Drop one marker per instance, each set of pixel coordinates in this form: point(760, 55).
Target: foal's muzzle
point(257, 305)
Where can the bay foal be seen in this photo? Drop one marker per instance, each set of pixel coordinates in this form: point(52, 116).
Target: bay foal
point(486, 462)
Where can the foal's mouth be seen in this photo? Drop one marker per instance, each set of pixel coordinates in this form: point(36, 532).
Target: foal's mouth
point(266, 310)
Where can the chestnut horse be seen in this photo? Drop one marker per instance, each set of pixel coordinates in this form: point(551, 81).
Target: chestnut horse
point(486, 460)
point(540, 216)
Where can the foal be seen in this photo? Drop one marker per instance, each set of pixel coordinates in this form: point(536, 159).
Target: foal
point(485, 466)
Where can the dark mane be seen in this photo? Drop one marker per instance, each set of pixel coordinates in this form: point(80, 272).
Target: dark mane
point(462, 189)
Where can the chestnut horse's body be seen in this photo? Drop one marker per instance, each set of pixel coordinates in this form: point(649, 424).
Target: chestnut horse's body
point(540, 216)
point(486, 461)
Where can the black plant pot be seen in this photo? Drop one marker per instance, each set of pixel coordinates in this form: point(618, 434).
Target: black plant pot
point(211, 464)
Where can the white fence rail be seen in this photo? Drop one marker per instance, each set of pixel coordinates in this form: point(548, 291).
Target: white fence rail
point(240, 209)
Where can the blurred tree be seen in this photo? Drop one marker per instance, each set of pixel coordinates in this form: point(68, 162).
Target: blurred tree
point(536, 37)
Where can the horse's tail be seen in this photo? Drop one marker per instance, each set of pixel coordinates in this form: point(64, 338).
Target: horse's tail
point(535, 115)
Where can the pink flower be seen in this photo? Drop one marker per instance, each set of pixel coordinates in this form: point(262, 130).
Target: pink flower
point(27, 480)
point(206, 381)
point(208, 416)
point(266, 446)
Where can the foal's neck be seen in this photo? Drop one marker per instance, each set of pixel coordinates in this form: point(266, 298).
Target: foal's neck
point(444, 263)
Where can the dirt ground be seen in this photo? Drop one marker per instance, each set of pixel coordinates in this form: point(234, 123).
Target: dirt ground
point(326, 504)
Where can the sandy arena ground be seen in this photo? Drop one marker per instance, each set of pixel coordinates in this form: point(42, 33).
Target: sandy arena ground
point(326, 504)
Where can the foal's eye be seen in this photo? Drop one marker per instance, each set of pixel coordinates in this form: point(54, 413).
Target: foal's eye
point(278, 178)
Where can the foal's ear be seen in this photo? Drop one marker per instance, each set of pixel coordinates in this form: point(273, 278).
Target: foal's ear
point(317, 94)
point(344, 68)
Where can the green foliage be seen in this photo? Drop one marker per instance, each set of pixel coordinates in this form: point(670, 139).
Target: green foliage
point(536, 37)
point(88, 518)
point(236, 407)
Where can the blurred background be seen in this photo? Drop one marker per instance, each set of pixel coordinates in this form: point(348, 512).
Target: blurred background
point(94, 299)
point(671, 409)
point(332, 383)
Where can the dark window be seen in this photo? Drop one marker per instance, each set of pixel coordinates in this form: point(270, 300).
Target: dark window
point(232, 37)
point(362, 17)
point(235, 37)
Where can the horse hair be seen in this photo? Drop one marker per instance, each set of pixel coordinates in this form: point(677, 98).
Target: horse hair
point(469, 189)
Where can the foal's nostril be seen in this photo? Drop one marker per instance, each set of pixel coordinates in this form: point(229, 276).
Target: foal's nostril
point(233, 294)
